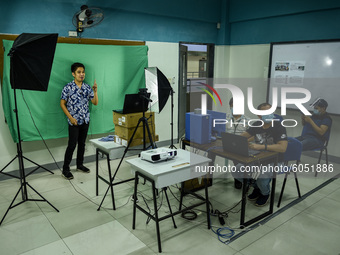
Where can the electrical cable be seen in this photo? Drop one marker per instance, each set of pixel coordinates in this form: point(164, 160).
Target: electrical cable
point(220, 234)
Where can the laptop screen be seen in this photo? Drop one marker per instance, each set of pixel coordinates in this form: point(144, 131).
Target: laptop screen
point(134, 103)
point(235, 143)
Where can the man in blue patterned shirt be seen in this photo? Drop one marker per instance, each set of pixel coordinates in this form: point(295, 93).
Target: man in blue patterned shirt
point(75, 98)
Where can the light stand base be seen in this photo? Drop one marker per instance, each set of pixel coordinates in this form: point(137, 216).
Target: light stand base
point(23, 187)
point(35, 169)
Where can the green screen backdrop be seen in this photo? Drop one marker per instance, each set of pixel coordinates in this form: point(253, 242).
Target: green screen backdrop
point(118, 70)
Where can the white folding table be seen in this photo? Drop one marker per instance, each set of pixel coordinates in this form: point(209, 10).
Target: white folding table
point(163, 174)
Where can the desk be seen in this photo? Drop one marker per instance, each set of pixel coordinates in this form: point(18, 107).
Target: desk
point(166, 173)
point(216, 150)
point(111, 150)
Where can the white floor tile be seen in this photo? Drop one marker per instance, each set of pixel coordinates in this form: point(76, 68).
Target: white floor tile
point(304, 234)
point(26, 235)
point(335, 195)
point(78, 218)
point(55, 248)
point(109, 238)
point(326, 209)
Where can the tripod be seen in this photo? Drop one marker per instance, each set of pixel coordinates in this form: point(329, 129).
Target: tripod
point(146, 127)
point(23, 183)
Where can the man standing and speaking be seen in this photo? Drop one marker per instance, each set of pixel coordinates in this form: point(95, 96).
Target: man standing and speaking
point(75, 98)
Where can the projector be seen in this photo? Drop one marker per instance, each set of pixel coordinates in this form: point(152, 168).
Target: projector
point(159, 154)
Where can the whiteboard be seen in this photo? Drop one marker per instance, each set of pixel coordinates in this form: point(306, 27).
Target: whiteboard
point(313, 65)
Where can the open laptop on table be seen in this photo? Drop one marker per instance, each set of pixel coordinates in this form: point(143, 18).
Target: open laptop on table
point(237, 144)
point(134, 103)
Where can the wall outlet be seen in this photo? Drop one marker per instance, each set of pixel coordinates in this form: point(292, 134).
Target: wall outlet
point(72, 33)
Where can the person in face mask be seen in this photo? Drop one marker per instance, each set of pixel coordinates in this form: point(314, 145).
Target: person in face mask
point(316, 128)
point(271, 136)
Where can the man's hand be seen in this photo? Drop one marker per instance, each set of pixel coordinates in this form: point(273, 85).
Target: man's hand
point(307, 119)
point(73, 121)
point(255, 146)
point(94, 86)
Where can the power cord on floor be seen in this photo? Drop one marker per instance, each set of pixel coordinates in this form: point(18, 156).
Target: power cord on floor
point(220, 234)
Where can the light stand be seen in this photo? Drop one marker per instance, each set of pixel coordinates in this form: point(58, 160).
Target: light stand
point(24, 184)
point(172, 146)
point(143, 95)
point(31, 62)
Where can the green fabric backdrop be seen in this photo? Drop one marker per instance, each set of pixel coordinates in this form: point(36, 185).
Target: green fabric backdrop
point(118, 70)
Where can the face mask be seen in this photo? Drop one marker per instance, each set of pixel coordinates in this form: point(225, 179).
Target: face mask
point(267, 118)
point(316, 112)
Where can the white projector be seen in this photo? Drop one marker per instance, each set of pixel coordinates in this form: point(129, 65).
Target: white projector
point(159, 154)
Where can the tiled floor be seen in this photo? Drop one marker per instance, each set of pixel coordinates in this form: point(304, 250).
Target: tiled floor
point(311, 226)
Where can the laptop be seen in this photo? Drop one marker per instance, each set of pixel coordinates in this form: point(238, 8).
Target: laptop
point(237, 144)
point(134, 103)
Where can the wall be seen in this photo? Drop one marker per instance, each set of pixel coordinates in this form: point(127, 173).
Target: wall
point(149, 20)
point(264, 21)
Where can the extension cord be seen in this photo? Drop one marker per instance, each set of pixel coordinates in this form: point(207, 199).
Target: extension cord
point(221, 219)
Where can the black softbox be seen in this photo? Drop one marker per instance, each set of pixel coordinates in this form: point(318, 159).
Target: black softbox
point(31, 61)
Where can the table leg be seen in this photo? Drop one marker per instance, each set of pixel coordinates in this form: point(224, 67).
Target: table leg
point(243, 204)
point(182, 195)
point(167, 199)
point(111, 181)
point(97, 153)
point(207, 201)
point(135, 201)
point(156, 216)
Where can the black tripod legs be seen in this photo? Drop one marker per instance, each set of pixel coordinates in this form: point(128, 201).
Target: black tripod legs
point(23, 187)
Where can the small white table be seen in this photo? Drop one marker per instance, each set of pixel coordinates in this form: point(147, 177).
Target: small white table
point(166, 173)
point(111, 150)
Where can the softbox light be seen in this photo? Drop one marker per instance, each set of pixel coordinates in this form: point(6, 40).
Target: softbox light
point(31, 61)
point(159, 87)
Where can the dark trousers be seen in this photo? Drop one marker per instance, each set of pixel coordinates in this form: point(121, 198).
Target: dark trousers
point(76, 134)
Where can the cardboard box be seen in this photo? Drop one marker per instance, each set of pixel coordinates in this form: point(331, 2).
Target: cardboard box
point(131, 119)
point(126, 133)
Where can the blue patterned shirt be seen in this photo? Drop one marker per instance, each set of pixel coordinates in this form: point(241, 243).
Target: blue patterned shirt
point(77, 101)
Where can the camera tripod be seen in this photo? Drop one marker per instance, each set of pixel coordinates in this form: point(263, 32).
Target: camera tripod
point(144, 121)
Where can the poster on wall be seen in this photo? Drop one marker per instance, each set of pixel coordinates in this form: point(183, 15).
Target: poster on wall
point(289, 72)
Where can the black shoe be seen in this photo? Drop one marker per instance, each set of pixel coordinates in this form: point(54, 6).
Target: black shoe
point(237, 184)
point(83, 169)
point(67, 175)
point(255, 194)
point(262, 200)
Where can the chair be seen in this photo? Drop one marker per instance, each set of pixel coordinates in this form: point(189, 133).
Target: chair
point(293, 152)
point(278, 117)
point(322, 148)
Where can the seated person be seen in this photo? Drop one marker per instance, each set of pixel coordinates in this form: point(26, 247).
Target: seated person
point(237, 124)
point(270, 137)
point(316, 128)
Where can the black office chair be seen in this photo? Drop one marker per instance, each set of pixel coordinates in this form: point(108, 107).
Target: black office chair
point(322, 148)
point(277, 116)
point(293, 152)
